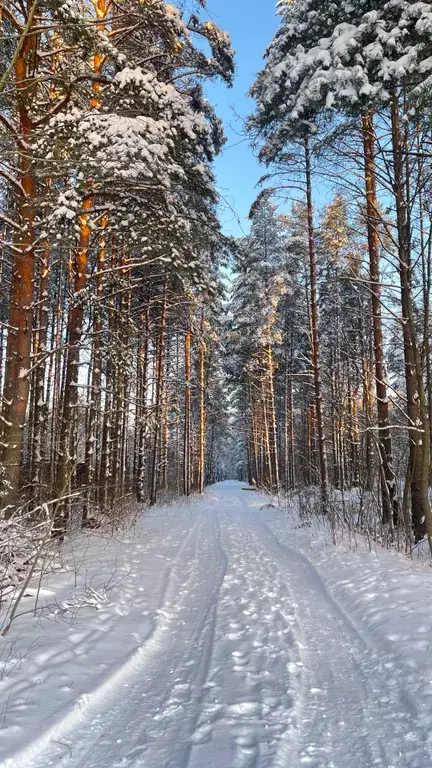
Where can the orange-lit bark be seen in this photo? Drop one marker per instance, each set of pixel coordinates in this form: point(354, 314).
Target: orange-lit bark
point(18, 351)
point(202, 417)
point(187, 415)
point(68, 459)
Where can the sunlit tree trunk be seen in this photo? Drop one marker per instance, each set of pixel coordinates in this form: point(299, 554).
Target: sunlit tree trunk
point(41, 409)
point(273, 422)
point(202, 413)
point(187, 414)
point(268, 472)
point(20, 321)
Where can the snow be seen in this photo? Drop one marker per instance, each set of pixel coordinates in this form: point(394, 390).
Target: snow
point(221, 633)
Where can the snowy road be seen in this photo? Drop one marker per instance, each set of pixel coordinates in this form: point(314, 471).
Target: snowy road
point(250, 663)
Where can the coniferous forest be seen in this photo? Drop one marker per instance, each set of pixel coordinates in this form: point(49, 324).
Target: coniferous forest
point(112, 382)
point(144, 353)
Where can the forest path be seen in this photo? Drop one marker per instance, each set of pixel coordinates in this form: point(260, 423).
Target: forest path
point(251, 664)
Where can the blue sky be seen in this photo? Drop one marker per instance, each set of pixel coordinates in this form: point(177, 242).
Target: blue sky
point(251, 25)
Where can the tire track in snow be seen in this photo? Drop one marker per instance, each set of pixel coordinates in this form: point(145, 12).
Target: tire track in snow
point(256, 669)
point(309, 567)
point(359, 714)
point(180, 733)
point(97, 726)
point(251, 664)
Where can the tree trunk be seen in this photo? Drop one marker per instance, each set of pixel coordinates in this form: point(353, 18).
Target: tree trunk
point(291, 438)
point(41, 409)
point(143, 412)
point(315, 336)
point(18, 350)
point(390, 502)
point(287, 416)
point(273, 422)
point(68, 458)
point(268, 464)
point(159, 390)
point(202, 417)
point(426, 245)
point(187, 414)
point(94, 403)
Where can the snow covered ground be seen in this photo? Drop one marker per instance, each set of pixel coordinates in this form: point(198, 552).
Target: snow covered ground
point(221, 634)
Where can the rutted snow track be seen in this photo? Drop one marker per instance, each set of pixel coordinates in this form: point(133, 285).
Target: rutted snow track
point(252, 664)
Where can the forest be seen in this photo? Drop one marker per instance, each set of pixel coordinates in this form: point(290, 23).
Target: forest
point(145, 353)
point(111, 374)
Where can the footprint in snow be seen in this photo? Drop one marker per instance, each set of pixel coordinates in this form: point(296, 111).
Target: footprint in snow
point(202, 735)
point(181, 693)
point(247, 750)
point(245, 708)
point(136, 752)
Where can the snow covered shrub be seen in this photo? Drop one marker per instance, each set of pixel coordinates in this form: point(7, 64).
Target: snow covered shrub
point(26, 548)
